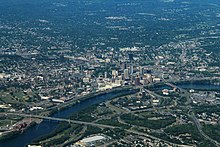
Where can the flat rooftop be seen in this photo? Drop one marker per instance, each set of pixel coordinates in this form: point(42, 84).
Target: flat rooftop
point(92, 139)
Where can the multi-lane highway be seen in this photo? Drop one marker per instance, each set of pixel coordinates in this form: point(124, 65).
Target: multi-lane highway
point(199, 128)
point(192, 115)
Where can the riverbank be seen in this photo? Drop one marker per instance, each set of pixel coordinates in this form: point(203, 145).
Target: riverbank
point(17, 131)
point(79, 99)
point(63, 112)
point(214, 84)
point(105, 114)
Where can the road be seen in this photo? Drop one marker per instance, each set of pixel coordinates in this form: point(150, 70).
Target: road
point(153, 94)
point(83, 97)
point(116, 109)
point(192, 115)
point(145, 134)
point(186, 93)
point(84, 123)
point(60, 119)
point(199, 128)
point(149, 136)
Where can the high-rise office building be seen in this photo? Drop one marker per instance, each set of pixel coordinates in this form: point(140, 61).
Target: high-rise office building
point(137, 81)
point(141, 69)
point(131, 56)
point(126, 74)
point(131, 69)
point(114, 73)
point(106, 75)
point(124, 66)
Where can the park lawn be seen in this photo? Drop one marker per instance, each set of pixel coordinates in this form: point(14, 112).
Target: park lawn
point(7, 98)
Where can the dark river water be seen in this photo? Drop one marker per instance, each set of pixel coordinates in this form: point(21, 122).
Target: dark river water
point(47, 126)
point(195, 86)
point(199, 86)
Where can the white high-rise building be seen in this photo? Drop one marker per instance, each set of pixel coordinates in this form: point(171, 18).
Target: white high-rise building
point(126, 74)
point(114, 73)
point(106, 75)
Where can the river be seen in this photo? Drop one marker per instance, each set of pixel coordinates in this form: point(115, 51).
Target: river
point(195, 86)
point(47, 126)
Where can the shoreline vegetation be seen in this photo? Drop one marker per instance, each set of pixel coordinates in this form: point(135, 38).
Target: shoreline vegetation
point(86, 97)
point(68, 104)
point(131, 89)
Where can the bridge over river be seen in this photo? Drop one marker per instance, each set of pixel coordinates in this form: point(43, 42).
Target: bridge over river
point(59, 119)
